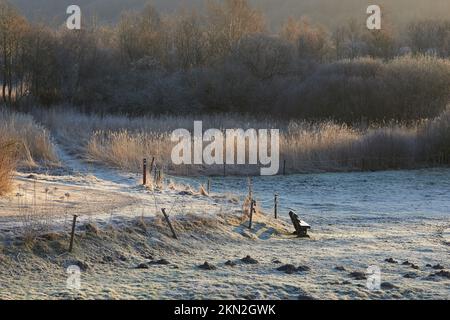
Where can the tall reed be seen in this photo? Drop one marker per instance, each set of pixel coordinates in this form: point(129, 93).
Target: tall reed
point(306, 146)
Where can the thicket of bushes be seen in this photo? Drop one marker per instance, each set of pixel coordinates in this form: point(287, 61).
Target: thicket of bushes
point(405, 88)
point(225, 60)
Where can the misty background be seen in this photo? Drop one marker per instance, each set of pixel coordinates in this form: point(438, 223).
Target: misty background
point(289, 59)
point(327, 12)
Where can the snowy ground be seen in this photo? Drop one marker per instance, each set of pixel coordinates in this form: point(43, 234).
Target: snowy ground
point(125, 229)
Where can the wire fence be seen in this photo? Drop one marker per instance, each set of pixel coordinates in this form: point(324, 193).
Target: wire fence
point(312, 162)
point(57, 208)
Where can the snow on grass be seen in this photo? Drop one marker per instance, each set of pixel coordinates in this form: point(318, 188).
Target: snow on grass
point(123, 227)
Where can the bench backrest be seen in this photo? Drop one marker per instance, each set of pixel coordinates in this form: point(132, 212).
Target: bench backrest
point(295, 221)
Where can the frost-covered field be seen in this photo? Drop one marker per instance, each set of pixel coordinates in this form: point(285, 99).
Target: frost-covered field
point(358, 220)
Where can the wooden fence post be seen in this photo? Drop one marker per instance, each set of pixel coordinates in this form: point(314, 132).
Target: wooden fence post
point(168, 222)
point(284, 167)
point(250, 187)
point(252, 209)
point(275, 207)
point(144, 179)
point(151, 166)
point(209, 186)
point(72, 234)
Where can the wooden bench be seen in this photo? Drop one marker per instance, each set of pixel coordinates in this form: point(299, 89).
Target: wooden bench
point(301, 227)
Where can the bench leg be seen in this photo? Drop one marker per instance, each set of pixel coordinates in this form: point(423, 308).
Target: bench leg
point(303, 233)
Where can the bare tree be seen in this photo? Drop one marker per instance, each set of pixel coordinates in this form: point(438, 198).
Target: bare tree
point(264, 56)
point(349, 40)
point(430, 36)
point(381, 43)
point(310, 41)
point(42, 65)
point(139, 35)
point(189, 40)
point(13, 29)
point(228, 23)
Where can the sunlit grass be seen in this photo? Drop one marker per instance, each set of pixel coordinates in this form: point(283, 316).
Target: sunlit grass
point(305, 146)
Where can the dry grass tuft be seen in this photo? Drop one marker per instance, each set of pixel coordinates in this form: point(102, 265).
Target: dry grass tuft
point(203, 192)
point(22, 142)
point(7, 165)
point(32, 140)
